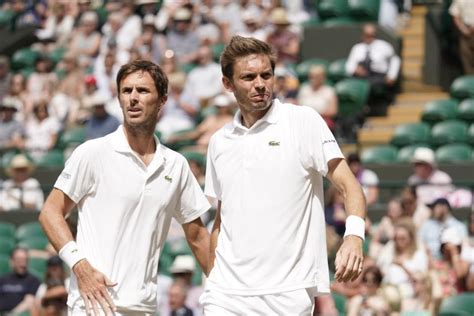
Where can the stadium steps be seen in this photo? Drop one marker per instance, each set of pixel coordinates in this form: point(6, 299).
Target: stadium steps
point(413, 48)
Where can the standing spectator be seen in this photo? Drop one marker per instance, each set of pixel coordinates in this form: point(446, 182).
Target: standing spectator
point(182, 39)
point(12, 133)
point(5, 76)
point(463, 16)
point(318, 95)
point(286, 43)
point(442, 219)
point(430, 182)
point(17, 289)
point(375, 60)
point(367, 178)
point(21, 191)
point(101, 123)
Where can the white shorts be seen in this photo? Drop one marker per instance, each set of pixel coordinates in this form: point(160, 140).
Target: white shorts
point(77, 311)
point(298, 302)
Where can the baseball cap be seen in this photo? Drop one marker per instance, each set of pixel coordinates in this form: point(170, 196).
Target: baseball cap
point(423, 155)
point(451, 235)
point(441, 201)
point(183, 264)
point(182, 14)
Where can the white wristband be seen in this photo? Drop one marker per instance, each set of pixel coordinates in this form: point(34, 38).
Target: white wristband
point(355, 225)
point(71, 254)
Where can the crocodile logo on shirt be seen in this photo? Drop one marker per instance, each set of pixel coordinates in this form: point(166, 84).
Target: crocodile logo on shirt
point(168, 178)
point(273, 143)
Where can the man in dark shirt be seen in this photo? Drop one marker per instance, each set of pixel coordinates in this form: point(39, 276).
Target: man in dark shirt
point(17, 289)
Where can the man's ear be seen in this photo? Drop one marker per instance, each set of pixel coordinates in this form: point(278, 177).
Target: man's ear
point(228, 84)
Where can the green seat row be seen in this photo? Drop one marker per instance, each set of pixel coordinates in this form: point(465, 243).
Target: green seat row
point(441, 110)
point(347, 11)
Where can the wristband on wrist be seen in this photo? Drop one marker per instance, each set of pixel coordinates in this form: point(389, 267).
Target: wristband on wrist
point(355, 225)
point(71, 254)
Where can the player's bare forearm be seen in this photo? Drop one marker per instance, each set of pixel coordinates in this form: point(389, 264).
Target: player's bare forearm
point(198, 239)
point(52, 218)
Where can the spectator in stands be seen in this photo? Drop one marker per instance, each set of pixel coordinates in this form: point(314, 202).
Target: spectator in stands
point(205, 80)
point(468, 253)
point(5, 76)
point(370, 301)
point(182, 40)
point(285, 87)
point(430, 182)
point(17, 94)
point(400, 258)
point(319, 96)
point(285, 42)
point(86, 41)
point(51, 295)
point(385, 230)
point(131, 27)
point(58, 26)
point(252, 26)
point(463, 16)
point(17, 289)
point(180, 109)
point(150, 43)
point(413, 208)
point(105, 72)
point(440, 220)
point(177, 297)
point(101, 122)
point(12, 133)
point(367, 178)
point(334, 210)
point(21, 191)
point(425, 300)
point(42, 81)
point(203, 132)
point(375, 60)
point(42, 131)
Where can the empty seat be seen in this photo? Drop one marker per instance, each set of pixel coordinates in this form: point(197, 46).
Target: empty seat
point(383, 154)
point(7, 244)
point(337, 70)
point(7, 230)
point(463, 302)
point(454, 153)
point(332, 8)
point(449, 132)
point(303, 68)
point(29, 231)
point(352, 94)
point(338, 21)
point(470, 136)
point(340, 302)
point(409, 134)
point(71, 138)
point(364, 10)
point(405, 154)
point(35, 242)
point(37, 267)
point(53, 159)
point(5, 264)
point(463, 87)
point(24, 58)
point(440, 110)
point(466, 110)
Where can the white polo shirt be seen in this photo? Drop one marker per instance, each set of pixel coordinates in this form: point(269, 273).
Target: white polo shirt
point(125, 210)
point(269, 179)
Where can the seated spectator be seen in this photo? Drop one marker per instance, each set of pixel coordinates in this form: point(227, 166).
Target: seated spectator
point(463, 16)
point(182, 39)
point(285, 42)
point(252, 27)
point(21, 191)
point(101, 122)
point(367, 178)
point(440, 220)
point(179, 110)
point(211, 124)
point(41, 131)
point(414, 208)
point(58, 26)
point(425, 300)
point(375, 60)
point(17, 289)
point(177, 295)
point(468, 253)
point(11, 131)
point(150, 43)
point(385, 230)
point(430, 182)
point(285, 86)
point(400, 258)
point(18, 95)
point(319, 96)
point(5, 76)
point(205, 80)
point(52, 293)
point(334, 211)
point(86, 41)
point(41, 83)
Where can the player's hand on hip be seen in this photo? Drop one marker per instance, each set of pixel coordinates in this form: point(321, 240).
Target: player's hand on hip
point(93, 286)
point(349, 259)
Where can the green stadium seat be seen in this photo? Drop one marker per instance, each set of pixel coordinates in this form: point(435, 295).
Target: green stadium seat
point(7, 157)
point(352, 94)
point(302, 69)
point(179, 247)
point(71, 138)
point(5, 264)
point(383, 154)
point(463, 302)
point(57, 55)
point(313, 21)
point(36, 243)
point(440, 110)
point(24, 58)
point(27, 71)
point(340, 302)
point(217, 50)
point(29, 230)
point(449, 132)
point(337, 70)
point(470, 135)
point(7, 230)
point(53, 159)
point(364, 10)
point(166, 260)
point(176, 146)
point(454, 153)
point(186, 68)
point(332, 8)
point(338, 21)
point(7, 244)
point(196, 156)
point(410, 134)
point(6, 17)
point(463, 87)
point(405, 154)
point(37, 267)
point(466, 110)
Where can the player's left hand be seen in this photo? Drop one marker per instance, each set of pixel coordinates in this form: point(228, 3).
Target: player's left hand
point(349, 259)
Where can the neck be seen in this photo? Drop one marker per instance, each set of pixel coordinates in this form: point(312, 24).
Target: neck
point(250, 118)
point(141, 140)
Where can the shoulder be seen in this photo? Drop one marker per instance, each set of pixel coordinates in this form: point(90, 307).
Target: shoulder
point(91, 148)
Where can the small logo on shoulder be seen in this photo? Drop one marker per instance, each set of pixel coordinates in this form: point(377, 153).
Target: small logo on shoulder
point(273, 143)
point(169, 179)
point(74, 250)
point(65, 175)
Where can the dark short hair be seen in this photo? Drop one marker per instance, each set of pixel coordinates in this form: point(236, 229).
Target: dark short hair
point(240, 46)
point(157, 74)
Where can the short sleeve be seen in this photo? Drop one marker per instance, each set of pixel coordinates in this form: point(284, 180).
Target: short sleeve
point(192, 202)
point(211, 187)
point(317, 145)
point(77, 177)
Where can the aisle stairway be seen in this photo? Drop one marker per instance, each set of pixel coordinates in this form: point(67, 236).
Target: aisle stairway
point(414, 95)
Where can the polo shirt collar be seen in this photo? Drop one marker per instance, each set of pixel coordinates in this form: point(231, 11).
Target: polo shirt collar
point(271, 117)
